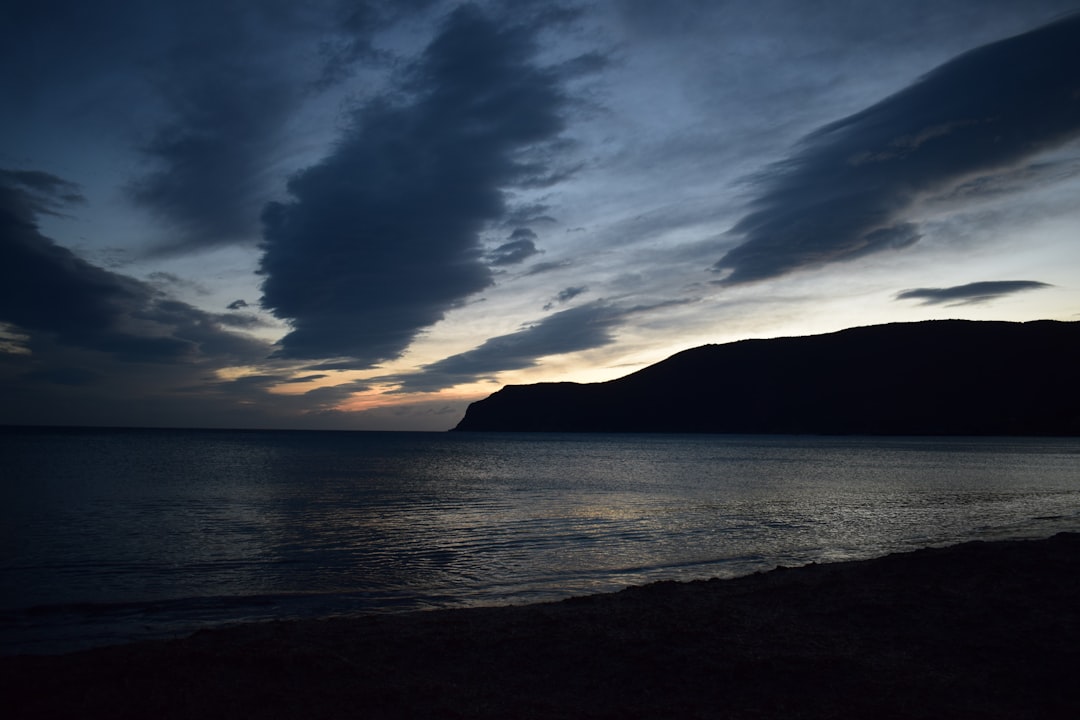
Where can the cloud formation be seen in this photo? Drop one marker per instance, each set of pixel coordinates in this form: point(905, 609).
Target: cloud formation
point(565, 295)
point(218, 85)
point(357, 23)
point(382, 237)
point(972, 293)
point(844, 193)
point(208, 157)
point(492, 159)
point(104, 348)
point(47, 290)
point(580, 328)
point(518, 248)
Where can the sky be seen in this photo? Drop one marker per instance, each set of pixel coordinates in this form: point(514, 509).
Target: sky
point(366, 214)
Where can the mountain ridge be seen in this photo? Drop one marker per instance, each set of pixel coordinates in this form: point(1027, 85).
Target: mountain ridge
point(935, 377)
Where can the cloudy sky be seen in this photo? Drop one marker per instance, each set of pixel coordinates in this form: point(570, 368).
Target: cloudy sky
point(364, 214)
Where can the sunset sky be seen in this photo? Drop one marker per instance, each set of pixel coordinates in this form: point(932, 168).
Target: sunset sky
point(365, 215)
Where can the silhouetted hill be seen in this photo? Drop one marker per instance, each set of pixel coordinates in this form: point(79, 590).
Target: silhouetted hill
point(943, 377)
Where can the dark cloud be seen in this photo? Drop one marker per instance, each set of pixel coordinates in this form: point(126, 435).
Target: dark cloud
point(82, 345)
point(209, 156)
point(237, 305)
point(306, 378)
point(28, 194)
point(255, 389)
point(570, 293)
point(529, 214)
point(581, 328)
point(230, 77)
point(197, 86)
point(844, 193)
point(545, 267)
point(356, 24)
point(382, 237)
point(565, 295)
point(240, 320)
point(971, 293)
point(333, 365)
point(204, 90)
point(518, 248)
point(46, 290)
point(165, 281)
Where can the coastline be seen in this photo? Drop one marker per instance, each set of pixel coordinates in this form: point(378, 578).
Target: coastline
point(982, 629)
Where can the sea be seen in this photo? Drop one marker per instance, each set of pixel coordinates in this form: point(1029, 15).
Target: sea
point(114, 535)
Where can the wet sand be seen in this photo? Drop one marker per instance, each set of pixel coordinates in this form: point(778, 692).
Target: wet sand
point(980, 630)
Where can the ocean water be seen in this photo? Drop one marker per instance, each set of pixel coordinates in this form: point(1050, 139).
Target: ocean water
point(114, 535)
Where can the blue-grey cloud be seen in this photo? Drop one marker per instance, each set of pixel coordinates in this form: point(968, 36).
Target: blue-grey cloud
point(356, 24)
point(204, 91)
point(28, 194)
point(519, 247)
point(209, 156)
point(382, 238)
point(843, 194)
point(565, 295)
point(977, 292)
point(528, 214)
point(200, 88)
point(570, 293)
point(580, 328)
point(546, 267)
point(47, 290)
point(240, 320)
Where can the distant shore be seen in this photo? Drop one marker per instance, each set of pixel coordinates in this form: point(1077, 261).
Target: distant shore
point(988, 630)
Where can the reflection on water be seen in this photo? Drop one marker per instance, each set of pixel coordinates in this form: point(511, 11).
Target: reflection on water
point(201, 527)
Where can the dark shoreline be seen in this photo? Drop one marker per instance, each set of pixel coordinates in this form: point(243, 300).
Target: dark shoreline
point(988, 630)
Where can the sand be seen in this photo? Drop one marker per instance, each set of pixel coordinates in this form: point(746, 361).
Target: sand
point(979, 630)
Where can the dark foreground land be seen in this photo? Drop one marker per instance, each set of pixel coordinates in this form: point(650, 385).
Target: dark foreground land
point(987, 630)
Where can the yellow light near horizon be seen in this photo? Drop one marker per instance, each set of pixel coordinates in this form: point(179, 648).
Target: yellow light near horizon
point(383, 398)
point(228, 374)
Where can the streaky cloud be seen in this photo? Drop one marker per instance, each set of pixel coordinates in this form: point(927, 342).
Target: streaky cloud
point(227, 79)
point(519, 247)
point(255, 390)
point(972, 293)
point(47, 290)
point(580, 328)
point(844, 192)
point(546, 267)
point(305, 378)
point(566, 295)
point(207, 158)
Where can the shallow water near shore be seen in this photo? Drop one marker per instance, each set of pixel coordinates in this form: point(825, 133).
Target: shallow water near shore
point(115, 535)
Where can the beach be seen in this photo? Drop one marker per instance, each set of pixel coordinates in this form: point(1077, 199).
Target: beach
point(980, 630)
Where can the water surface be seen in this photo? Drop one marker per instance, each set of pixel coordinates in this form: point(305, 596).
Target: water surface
point(110, 535)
